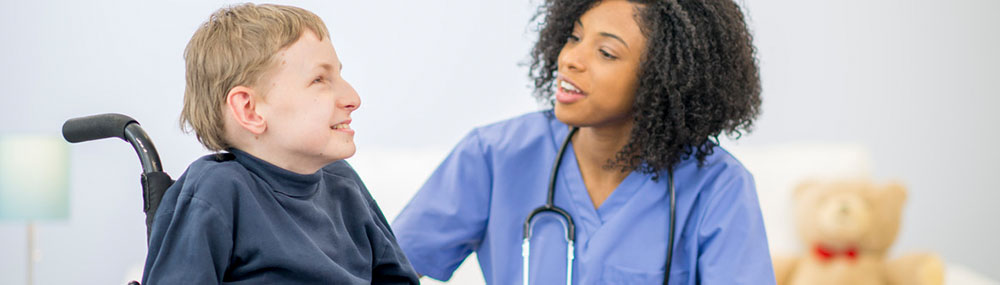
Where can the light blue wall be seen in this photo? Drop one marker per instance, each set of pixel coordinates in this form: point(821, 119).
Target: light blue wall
point(912, 80)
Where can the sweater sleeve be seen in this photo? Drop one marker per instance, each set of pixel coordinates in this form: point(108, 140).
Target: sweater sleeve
point(389, 264)
point(191, 241)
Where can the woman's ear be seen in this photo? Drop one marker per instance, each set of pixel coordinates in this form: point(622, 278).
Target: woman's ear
point(242, 104)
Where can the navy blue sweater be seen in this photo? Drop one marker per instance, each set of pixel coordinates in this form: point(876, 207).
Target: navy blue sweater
point(235, 219)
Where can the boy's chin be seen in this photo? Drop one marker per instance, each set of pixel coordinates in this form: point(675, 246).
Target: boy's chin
point(341, 152)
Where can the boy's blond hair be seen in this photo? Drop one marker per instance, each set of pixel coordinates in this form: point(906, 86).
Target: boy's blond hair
point(235, 47)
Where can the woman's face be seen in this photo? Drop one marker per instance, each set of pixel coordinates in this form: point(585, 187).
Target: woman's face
point(599, 67)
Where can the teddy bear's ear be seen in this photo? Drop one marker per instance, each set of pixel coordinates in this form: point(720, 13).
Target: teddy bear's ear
point(803, 186)
point(894, 191)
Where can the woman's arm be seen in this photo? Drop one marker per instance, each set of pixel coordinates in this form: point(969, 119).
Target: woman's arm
point(732, 244)
point(446, 219)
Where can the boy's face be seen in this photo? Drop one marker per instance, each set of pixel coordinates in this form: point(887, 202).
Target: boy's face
point(307, 106)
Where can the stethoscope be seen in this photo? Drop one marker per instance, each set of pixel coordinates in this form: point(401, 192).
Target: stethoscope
point(570, 228)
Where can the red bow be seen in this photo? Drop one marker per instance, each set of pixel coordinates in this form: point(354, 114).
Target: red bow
point(826, 254)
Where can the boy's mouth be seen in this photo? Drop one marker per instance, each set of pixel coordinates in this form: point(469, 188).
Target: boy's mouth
point(344, 126)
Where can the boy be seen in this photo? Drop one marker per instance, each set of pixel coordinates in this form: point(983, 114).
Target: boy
point(280, 206)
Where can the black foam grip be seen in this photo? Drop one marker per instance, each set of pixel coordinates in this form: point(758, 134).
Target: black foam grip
point(154, 185)
point(96, 127)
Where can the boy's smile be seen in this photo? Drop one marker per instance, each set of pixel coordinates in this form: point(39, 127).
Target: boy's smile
point(344, 126)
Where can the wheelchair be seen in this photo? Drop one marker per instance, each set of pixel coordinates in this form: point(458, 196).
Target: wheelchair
point(154, 181)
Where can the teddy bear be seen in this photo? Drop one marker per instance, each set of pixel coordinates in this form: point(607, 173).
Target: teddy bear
point(847, 226)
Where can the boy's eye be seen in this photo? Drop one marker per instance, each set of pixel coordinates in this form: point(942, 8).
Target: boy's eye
point(318, 80)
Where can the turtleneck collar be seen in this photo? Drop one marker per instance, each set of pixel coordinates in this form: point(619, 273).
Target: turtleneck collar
point(281, 180)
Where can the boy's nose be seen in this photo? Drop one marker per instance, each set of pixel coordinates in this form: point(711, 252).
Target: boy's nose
point(350, 101)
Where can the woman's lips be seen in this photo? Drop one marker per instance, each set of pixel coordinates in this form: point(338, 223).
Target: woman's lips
point(567, 92)
point(567, 97)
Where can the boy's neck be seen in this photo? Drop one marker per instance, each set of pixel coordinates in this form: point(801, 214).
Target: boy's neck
point(284, 161)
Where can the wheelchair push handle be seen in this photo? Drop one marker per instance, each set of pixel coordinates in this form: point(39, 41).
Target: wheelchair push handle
point(112, 125)
point(154, 181)
point(96, 127)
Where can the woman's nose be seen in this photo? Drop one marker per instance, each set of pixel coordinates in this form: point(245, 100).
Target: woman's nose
point(570, 59)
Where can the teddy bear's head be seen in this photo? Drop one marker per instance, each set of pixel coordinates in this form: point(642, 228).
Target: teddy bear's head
point(849, 215)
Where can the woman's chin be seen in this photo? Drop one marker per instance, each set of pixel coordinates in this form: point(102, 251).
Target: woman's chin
point(569, 116)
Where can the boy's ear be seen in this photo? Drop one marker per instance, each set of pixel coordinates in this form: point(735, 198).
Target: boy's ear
point(242, 104)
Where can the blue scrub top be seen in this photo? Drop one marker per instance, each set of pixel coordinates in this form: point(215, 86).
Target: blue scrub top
point(478, 198)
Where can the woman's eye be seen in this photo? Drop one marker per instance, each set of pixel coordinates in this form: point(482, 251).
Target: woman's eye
point(573, 38)
point(607, 55)
point(318, 80)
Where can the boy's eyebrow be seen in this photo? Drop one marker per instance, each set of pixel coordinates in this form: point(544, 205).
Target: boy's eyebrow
point(329, 67)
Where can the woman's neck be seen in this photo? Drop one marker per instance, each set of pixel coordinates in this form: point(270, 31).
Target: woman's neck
point(594, 147)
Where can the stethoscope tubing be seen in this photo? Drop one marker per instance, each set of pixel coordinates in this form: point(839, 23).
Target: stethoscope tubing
point(570, 228)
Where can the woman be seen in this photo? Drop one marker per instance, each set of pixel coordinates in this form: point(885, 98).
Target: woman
point(647, 87)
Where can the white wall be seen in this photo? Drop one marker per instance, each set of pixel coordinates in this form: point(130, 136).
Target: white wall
point(915, 82)
point(911, 80)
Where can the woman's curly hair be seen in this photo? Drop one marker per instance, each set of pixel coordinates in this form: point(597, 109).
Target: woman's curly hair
point(698, 77)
